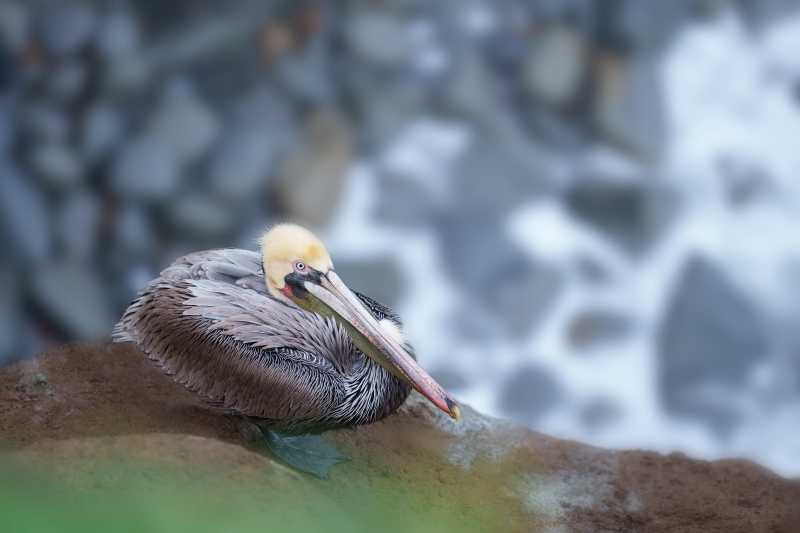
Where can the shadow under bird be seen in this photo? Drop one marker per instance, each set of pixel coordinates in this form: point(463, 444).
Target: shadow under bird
point(277, 339)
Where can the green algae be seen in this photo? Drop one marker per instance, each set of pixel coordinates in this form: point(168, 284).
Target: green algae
point(95, 492)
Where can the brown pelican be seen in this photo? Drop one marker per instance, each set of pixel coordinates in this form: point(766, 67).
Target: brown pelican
point(278, 339)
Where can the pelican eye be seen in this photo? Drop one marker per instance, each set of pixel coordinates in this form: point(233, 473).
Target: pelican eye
point(299, 266)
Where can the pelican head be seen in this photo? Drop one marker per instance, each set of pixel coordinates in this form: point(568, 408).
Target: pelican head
point(299, 272)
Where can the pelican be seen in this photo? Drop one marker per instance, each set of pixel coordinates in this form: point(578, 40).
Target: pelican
point(277, 339)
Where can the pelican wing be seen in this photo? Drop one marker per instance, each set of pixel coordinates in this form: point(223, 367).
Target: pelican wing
point(208, 325)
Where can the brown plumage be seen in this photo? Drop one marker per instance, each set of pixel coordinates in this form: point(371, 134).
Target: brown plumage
point(277, 337)
point(211, 325)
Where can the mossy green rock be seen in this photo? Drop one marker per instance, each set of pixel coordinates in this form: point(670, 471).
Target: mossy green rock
point(110, 444)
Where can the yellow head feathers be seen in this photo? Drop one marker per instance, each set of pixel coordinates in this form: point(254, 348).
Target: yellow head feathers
point(284, 244)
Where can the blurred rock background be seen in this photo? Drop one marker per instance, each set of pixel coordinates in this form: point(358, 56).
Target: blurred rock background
point(588, 213)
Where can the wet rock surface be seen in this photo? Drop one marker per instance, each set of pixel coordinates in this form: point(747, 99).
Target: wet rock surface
point(97, 419)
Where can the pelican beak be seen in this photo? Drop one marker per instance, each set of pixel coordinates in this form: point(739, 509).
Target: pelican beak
point(326, 295)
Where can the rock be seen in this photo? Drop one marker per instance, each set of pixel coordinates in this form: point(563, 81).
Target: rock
point(185, 126)
point(599, 413)
point(404, 203)
point(379, 38)
point(66, 26)
point(451, 379)
point(767, 12)
point(556, 66)
point(145, 170)
point(745, 181)
point(591, 270)
point(77, 224)
point(45, 122)
point(311, 177)
point(15, 25)
point(241, 165)
point(26, 217)
point(134, 232)
point(101, 130)
point(66, 81)
point(117, 33)
point(630, 105)
point(511, 292)
point(651, 24)
point(57, 165)
point(97, 424)
point(632, 214)
point(201, 217)
point(469, 91)
point(10, 318)
point(517, 169)
point(386, 111)
point(73, 298)
point(529, 393)
point(595, 327)
point(710, 341)
point(379, 278)
point(305, 74)
point(128, 75)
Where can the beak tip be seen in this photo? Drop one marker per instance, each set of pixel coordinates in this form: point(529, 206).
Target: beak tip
point(454, 410)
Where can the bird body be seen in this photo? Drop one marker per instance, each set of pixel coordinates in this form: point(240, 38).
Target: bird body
point(209, 324)
point(277, 338)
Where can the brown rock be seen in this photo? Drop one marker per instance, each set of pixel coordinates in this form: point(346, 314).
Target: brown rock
point(95, 416)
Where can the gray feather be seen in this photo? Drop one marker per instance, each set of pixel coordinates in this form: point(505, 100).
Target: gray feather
point(210, 324)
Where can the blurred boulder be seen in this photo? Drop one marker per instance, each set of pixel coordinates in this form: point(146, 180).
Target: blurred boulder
point(384, 111)
point(101, 131)
point(379, 278)
point(15, 25)
point(304, 73)
point(556, 65)
point(403, 203)
point(73, 297)
point(117, 34)
point(197, 216)
point(311, 177)
point(77, 225)
point(499, 171)
point(10, 317)
point(25, 216)
point(185, 126)
point(66, 25)
point(711, 339)
point(242, 162)
point(592, 328)
point(44, 121)
point(632, 214)
point(529, 393)
point(378, 37)
point(128, 75)
point(744, 180)
point(599, 413)
point(762, 13)
point(57, 165)
point(630, 107)
point(134, 233)
point(510, 291)
point(450, 378)
point(145, 170)
point(651, 24)
point(66, 81)
point(470, 90)
point(591, 270)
